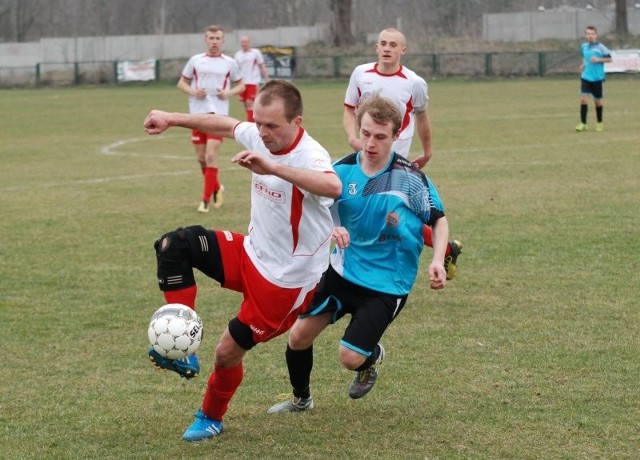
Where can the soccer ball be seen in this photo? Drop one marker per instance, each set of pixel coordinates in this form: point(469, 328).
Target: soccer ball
point(175, 331)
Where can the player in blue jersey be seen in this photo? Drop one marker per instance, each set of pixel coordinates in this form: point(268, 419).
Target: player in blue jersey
point(594, 55)
point(385, 202)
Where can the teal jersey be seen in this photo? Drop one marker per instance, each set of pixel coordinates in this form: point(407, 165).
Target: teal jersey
point(384, 215)
point(593, 71)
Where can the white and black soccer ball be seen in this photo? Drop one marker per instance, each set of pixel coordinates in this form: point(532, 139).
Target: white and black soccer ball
point(175, 331)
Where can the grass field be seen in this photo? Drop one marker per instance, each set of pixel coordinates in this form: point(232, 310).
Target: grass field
point(531, 353)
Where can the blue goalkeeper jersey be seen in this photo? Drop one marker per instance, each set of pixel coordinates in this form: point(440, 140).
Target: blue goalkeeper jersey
point(384, 215)
point(593, 71)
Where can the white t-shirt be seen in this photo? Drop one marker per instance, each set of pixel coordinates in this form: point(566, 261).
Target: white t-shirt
point(404, 87)
point(249, 63)
point(290, 229)
point(211, 73)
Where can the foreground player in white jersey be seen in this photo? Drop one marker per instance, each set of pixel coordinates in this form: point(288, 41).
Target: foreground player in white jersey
point(278, 264)
point(253, 71)
point(208, 78)
point(387, 77)
point(385, 201)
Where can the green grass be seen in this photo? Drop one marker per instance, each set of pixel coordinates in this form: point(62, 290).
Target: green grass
point(532, 352)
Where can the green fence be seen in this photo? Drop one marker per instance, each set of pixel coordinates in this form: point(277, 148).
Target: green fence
point(471, 65)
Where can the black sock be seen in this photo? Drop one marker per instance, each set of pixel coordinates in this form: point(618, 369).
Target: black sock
point(583, 113)
point(370, 361)
point(300, 363)
point(599, 113)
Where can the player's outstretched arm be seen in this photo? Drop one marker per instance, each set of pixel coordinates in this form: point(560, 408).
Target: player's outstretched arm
point(218, 125)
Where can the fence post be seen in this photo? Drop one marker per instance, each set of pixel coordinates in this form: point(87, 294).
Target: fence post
point(435, 65)
point(157, 70)
point(115, 72)
point(541, 64)
point(488, 64)
point(76, 73)
point(336, 66)
point(38, 74)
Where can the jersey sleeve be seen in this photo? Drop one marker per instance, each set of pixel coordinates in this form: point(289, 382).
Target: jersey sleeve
point(420, 95)
point(352, 96)
point(234, 71)
point(189, 68)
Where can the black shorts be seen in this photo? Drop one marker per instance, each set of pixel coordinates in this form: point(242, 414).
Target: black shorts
point(595, 88)
point(371, 311)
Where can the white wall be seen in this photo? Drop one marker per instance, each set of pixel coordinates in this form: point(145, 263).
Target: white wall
point(137, 47)
point(537, 25)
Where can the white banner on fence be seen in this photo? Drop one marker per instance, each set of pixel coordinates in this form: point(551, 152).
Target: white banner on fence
point(623, 61)
point(137, 70)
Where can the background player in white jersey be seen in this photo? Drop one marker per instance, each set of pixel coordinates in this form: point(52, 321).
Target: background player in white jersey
point(253, 71)
point(387, 77)
point(208, 79)
point(278, 264)
point(385, 201)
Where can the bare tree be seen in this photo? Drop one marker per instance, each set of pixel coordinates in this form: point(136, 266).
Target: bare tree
point(341, 22)
point(622, 25)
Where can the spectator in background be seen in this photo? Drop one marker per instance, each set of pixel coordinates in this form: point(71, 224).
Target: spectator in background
point(210, 79)
point(253, 71)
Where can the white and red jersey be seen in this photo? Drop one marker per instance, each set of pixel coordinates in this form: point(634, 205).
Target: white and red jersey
point(290, 228)
point(249, 63)
point(211, 73)
point(404, 87)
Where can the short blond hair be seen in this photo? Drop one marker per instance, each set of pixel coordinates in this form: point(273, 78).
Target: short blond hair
point(382, 111)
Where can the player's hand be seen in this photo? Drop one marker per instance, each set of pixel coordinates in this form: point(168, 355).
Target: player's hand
point(422, 160)
point(254, 162)
point(340, 236)
point(156, 122)
point(356, 144)
point(437, 275)
point(200, 94)
point(222, 94)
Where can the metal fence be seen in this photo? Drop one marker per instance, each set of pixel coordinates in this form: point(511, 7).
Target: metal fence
point(470, 65)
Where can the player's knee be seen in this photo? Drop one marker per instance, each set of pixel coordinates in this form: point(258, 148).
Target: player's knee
point(350, 359)
point(180, 251)
point(241, 333)
point(174, 265)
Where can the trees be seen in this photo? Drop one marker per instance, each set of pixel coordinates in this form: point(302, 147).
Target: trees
point(341, 22)
point(622, 24)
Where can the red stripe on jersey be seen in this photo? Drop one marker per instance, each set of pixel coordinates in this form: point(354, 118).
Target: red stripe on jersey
point(398, 73)
point(407, 115)
point(296, 215)
point(292, 146)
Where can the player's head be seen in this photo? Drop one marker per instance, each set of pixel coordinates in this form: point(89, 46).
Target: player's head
point(379, 120)
point(214, 39)
point(245, 43)
point(591, 33)
point(277, 112)
point(390, 47)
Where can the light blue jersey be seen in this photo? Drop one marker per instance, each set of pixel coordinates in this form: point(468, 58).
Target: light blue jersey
point(593, 71)
point(384, 215)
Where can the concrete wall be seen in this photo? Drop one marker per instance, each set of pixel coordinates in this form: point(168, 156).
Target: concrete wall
point(538, 25)
point(138, 47)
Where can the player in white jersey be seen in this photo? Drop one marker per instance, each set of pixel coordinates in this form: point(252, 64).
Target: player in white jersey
point(277, 265)
point(210, 79)
point(253, 71)
point(387, 77)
